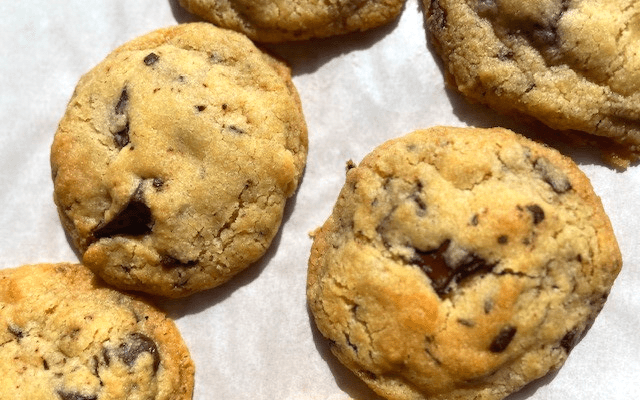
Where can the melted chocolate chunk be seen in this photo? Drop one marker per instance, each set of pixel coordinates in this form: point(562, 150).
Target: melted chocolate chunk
point(536, 212)
point(172, 262)
point(136, 344)
point(551, 175)
point(542, 34)
point(75, 396)
point(151, 59)
point(134, 220)
point(122, 136)
point(442, 273)
point(502, 340)
point(123, 102)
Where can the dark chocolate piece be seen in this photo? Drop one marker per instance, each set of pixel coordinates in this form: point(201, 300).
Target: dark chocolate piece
point(122, 136)
point(442, 274)
point(134, 346)
point(537, 213)
point(172, 262)
point(551, 175)
point(123, 102)
point(75, 396)
point(502, 340)
point(151, 59)
point(134, 220)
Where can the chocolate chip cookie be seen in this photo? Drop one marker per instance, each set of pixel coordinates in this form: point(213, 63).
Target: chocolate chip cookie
point(175, 158)
point(66, 336)
point(460, 263)
point(287, 20)
point(572, 64)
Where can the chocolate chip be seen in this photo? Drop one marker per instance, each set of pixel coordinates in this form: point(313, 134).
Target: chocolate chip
point(134, 220)
point(466, 322)
point(123, 102)
point(536, 212)
point(502, 340)
point(474, 220)
point(201, 108)
point(16, 331)
point(224, 106)
point(136, 344)
point(75, 396)
point(158, 183)
point(444, 271)
point(503, 239)
point(235, 130)
point(551, 175)
point(151, 59)
point(122, 137)
point(172, 262)
point(422, 206)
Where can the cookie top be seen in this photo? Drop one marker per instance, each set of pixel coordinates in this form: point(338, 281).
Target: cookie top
point(66, 336)
point(175, 157)
point(460, 263)
point(288, 20)
point(572, 64)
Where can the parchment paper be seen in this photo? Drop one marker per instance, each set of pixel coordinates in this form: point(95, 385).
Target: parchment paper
point(253, 338)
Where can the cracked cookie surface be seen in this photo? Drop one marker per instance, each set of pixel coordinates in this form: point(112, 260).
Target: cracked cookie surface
point(286, 20)
point(64, 335)
point(460, 263)
point(174, 160)
point(572, 64)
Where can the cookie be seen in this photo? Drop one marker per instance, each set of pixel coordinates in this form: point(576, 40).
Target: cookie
point(175, 157)
point(571, 64)
point(460, 263)
point(288, 20)
point(66, 336)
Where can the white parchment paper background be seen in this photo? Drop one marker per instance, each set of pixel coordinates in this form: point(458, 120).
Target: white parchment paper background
point(253, 337)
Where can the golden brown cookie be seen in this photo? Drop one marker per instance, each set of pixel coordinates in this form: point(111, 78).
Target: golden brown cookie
point(175, 158)
point(572, 64)
point(285, 20)
point(64, 335)
point(460, 263)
